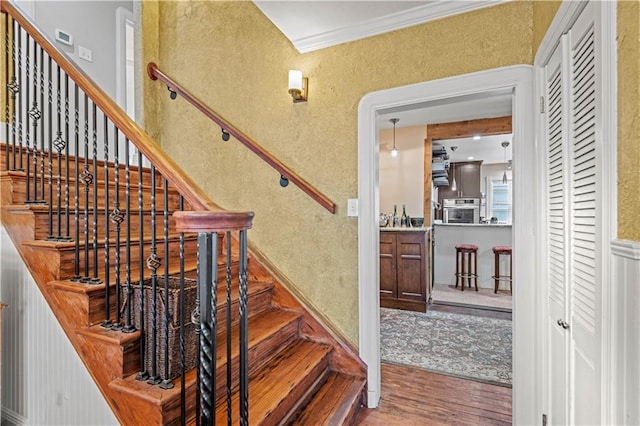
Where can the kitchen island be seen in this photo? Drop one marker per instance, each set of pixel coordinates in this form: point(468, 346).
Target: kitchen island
point(405, 268)
point(446, 236)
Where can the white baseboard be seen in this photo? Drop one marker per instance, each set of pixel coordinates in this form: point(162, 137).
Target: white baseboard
point(12, 418)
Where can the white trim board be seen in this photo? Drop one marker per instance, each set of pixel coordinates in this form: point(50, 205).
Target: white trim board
point(526, 359)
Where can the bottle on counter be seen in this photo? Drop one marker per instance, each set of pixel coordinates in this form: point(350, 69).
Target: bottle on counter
point(394, 218)
point(403, 220)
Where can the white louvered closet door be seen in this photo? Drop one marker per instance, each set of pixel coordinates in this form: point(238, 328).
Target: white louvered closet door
point(573, 212)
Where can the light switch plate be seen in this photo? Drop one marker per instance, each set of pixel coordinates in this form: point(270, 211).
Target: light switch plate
point(352, 207)
point(84, 53)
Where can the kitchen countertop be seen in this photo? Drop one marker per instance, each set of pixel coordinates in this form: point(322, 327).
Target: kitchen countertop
point(410, 229)
point(488, 225)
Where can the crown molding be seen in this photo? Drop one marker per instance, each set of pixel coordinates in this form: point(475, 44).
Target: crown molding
point(396, 21)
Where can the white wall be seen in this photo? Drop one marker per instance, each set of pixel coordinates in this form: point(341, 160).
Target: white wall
point(92, 25)
point(402, 177)
point(44, 382)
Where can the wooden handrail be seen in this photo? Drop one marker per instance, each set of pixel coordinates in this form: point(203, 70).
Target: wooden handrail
point(155, 74)
point(186, 186)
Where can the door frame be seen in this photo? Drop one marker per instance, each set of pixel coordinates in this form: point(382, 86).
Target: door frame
point(605, 21)
point(527, 301)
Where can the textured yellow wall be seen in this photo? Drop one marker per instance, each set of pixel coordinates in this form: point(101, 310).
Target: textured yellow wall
point(543, 14)
point(629, 120)
point(233, 58)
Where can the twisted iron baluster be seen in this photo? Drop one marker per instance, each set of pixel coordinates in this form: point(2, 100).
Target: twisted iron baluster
point(153, 263)
point(166, 382)
point(107, 266)
point(142, 374)
point(87, 179)
point(228, 313)
point(60, 144)
point(183, 392)
point(94, 126)
point(35, 115)
point(128, 326)
point(244, 332)
point(76, 201)
point(207, 248)
point(195, 320)
point(117, 217)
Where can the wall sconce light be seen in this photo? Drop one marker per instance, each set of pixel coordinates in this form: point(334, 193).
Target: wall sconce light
point(298, 86)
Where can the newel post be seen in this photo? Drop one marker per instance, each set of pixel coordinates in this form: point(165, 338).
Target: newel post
point(208, 224)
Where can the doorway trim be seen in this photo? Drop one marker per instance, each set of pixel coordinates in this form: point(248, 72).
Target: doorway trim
point(526, 330)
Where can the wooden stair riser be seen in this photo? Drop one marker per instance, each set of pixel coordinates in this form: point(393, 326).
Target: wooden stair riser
point(41, 221)
point(20, 197)
point(133, 169)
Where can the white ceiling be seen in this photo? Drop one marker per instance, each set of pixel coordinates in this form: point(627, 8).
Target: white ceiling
point(313, 25)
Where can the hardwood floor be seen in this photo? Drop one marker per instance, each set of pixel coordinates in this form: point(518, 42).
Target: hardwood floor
point(416, 397)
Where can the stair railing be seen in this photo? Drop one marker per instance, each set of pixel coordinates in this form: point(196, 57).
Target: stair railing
point(286, 174)
point(64, 134)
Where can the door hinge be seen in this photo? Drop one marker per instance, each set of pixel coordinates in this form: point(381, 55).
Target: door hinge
point(541, 104)
point(544, 420)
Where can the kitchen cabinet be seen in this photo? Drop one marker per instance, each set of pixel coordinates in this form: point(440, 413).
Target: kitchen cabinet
point(467, 176)
point(403, 269)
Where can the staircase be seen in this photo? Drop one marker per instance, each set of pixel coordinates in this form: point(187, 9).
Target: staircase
point(174, 318)
point(299, 374)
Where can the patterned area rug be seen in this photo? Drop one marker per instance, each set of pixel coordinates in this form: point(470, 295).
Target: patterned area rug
point(459, 345)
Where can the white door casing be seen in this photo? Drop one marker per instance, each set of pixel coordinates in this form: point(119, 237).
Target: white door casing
point(527, 300)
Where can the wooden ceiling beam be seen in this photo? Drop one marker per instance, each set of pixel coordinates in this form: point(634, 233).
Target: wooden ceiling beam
point(469, 128)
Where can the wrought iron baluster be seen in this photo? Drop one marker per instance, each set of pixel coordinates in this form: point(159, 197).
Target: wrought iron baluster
point(27, 142)
point(59, 144)
point(94, 127)
point(142, 374)
point(117, 217)
point(20, 95)
point(87, 179)
point(166, 382)
point(67, 236)
point(228, 313)
point(50, 150)
point(6, 92)
point(107, 266)
point(42, 128)
point(207, 283)
point(195, 319)
point(76, 201)
point(35, 115)
point(182, 313)
point(153, 263)
point(13, 88)
point(244, 331)
point(128, 326)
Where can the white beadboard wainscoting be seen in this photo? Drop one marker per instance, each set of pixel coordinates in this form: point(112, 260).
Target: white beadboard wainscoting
point(625, 339)
point(43, 380)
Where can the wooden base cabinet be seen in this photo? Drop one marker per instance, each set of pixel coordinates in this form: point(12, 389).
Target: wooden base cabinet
point(403, 270)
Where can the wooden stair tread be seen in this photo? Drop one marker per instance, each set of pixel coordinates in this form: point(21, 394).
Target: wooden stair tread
point(71, 245)
point(261, 327)
point(276, 387)
point(335, 403)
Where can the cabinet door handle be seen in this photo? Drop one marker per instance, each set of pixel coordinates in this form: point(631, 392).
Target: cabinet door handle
point(563, 324)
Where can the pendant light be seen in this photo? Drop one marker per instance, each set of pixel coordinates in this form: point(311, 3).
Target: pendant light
point(505, 144)
point(454, 187)
point(394, 151)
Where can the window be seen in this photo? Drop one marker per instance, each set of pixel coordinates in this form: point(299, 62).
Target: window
point(500, 200)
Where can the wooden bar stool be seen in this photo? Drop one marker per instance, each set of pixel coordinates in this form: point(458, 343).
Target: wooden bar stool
point(463, 269)
point(497, 252)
